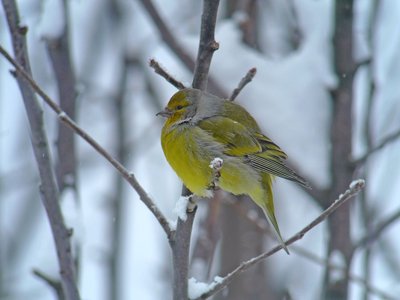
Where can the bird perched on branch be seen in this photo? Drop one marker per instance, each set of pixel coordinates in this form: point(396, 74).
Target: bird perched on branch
point(202, 129)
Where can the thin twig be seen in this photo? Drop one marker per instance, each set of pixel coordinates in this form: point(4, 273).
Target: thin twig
point(389, 139)
point(354, 188)
point(53, 283)
point(162, 72)
point(173, 44)
point(245, 80)
point(129, 177)
point(362, 63)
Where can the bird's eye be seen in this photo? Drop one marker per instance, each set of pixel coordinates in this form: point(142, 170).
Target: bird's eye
point(179, 107)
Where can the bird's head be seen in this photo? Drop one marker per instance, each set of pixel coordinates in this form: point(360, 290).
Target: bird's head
point(182, 106)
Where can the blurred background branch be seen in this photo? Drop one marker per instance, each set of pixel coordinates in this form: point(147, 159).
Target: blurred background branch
point(172, 42)
point(48, 186)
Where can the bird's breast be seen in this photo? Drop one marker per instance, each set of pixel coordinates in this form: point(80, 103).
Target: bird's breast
point(189, 150)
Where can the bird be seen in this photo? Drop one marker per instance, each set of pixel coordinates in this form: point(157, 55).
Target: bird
point(203, 130)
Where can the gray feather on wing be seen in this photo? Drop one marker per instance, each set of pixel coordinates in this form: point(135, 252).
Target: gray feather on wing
point(275, 167)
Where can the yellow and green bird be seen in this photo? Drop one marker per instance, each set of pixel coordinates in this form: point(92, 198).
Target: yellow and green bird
point(201, 127)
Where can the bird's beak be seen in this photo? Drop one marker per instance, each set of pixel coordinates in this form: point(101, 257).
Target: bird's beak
point(164, 113)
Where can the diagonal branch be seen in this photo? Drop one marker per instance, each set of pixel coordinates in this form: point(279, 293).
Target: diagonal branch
point(54, 284)
point(262, 225)
point(163, 73)
point(128, 176)
point(389, 139)
point(355, 188)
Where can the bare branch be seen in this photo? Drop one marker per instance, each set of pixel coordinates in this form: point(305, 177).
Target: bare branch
point(129, 177)
point(354, 189)
point(249, 24)
point(180, 246)
point(162, 72)
point(389, 139)
point(58, 49)
point(207, 44)
point(296, 34)
point(118, 201)
point(341, 134)
point(245, 80)
point(167, 35)
point(365, 62)
point(48, 188)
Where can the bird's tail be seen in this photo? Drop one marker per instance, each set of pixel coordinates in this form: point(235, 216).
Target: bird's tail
point(267, 204)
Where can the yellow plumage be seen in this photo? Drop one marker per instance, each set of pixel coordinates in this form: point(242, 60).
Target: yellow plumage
point(201, 127)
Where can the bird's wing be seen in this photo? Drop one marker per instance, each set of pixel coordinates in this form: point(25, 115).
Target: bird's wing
point(271, 160)
point(256, 149)
point(235, 137)
point(275, 166)
point(269, 146)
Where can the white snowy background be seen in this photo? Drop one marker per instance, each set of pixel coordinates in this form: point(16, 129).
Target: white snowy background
point(289, 97)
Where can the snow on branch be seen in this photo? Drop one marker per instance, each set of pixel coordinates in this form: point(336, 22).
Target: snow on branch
point(216, 165)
